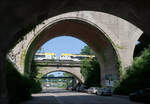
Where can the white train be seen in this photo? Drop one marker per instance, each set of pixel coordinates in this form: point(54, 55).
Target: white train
point(74, 57)
point(63, 57)
point(45, 56)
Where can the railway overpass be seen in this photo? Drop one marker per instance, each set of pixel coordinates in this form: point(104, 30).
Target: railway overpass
point(44, 67)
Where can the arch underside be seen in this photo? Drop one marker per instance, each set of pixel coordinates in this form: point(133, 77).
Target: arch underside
point(136, 12)
point(84, 31)
point(110, 37)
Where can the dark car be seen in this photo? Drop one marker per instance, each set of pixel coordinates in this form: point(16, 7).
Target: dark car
point(69, 88)
point(83, 88)
point(141, 96)
point(104, 92)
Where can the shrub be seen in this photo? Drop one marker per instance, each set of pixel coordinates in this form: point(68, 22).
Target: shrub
point(137, 76)
point(36, 86)
point(19, 86)
point(90, 69)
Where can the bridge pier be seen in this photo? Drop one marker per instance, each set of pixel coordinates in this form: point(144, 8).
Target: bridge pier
point(73, 82)
point(3, 85)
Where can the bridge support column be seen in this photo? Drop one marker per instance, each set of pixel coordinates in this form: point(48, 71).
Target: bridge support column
point(73, 82)
point(3, 86)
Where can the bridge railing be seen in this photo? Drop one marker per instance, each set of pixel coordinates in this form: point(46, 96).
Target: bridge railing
point(57, 63)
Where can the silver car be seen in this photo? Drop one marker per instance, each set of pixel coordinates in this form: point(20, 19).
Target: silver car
point(93, 90)
point(104, 92)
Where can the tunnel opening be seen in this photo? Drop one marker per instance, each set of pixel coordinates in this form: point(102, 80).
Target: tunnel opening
point(102, 56)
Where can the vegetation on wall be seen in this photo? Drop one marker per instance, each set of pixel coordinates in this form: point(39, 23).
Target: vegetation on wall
point(34, 79)
point(119, 67)
point(137, 76)
point(29, 53)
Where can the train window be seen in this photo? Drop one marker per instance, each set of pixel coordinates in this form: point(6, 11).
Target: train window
point(39, 56)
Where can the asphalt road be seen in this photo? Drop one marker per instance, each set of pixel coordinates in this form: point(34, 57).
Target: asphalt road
point(61, 96)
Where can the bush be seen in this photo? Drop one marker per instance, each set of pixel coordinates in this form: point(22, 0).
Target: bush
point(90, 69)
point(137, 76)
point(19, 86)
point(36, 86)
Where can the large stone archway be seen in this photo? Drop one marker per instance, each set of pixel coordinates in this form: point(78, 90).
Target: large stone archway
point(17, 18)
point(15, 21)
point(109, 36)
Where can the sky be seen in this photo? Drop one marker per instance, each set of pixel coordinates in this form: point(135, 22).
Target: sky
point(63, 44)
point(56, 74)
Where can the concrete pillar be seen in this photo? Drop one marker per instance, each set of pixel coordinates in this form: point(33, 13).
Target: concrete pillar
point(3, 86)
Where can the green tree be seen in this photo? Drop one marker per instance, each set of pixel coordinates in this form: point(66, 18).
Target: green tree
point(66, 74)
point(86, 51)
point(139, 48)
point(68, 81)
point(137, 76)
point(36, 85)
point(51, 75)
point(90, 69)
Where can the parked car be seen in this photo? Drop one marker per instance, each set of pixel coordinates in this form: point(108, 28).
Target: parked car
point(104, 91)
point(141, 96)
point(73, 89)
point(78, 88)
point(89, 90)
point(93, 90)
point(83, 88)
point(69, 88)
point(47, 85)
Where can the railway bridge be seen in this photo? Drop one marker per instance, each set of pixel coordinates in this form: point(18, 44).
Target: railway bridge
point(72, 67)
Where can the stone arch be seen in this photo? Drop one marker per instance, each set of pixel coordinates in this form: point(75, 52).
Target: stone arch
point(100, 50)
point(116, 34)
point(78, 77)
point(129, 10)
point(135, 12)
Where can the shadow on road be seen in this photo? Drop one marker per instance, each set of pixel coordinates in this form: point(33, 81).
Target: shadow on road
point(91, 99)
point(61, 96)
point(41, 99)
